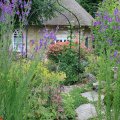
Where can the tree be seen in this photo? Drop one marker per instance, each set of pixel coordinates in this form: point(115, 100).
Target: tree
point(90, 5)
point(45, 10)
point(40, 8)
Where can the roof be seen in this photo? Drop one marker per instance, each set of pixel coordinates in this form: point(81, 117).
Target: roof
point(84, 17)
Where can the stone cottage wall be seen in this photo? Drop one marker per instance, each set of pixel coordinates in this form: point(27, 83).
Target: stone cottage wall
point(36, 33)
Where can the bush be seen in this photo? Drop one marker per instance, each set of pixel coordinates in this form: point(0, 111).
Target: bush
point(44, 89)
point(69, 108)
point(41, 91)
point(78, 99)
point(67, 59)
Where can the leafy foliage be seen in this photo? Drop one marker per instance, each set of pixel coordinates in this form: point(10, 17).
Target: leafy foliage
point(45, 98)
point(107, 33)
point(69, 108)
point(43, 10)
point(73, 100)
point(90, 5)
point(78, 99)
point(61, 53)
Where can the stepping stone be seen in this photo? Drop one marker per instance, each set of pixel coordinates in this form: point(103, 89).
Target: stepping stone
point(86, 111)
point(92, 96)
point(67, 89)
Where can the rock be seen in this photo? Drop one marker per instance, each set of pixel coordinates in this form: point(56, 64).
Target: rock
point(86, 111)
point(96, 84)
point(67, 89)
point(91, 78)
point(92, 96)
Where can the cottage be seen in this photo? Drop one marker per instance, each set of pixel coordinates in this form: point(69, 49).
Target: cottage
point(60, 23)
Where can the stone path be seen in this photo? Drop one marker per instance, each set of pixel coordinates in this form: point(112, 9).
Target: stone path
point(87, 111)
point(67, 89)
point(92, 96)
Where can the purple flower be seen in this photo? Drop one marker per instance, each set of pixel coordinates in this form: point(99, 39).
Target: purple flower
point(115, 53)
point(109, 19)
point(52, 36)
point(118, 27)
point(8, 8)
point(105, 27)
point(2, 18)
point(117, 19)
point(97, 23)
point(23, 53)
point(116, 11)
point(46, 35)
point(41, 43)
point(105, 17)
point(114, 27)
point(110, 42)
point(27, 13)
point(18, 13)
point(36, 48)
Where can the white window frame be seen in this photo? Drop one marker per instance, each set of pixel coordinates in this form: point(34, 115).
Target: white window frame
point(62, 39)
point(17, 33)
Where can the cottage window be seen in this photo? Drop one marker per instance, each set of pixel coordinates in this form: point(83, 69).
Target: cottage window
point(62, 40)
point(17, 41)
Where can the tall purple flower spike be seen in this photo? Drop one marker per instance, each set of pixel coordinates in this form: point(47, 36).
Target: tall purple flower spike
point(13, 8)
point(110, 42)
point(97, 23)
point(117, 19)
point(115, 53)
point(40, 43)
point(109, 19)
point(52, 36)
point(116, 11)
point(36, 48)
point(105, 17)
point(23, 53)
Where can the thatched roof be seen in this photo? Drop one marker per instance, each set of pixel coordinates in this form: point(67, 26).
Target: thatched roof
point(84, 17)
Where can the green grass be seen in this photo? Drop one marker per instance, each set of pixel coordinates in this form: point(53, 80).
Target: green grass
point(78, 99)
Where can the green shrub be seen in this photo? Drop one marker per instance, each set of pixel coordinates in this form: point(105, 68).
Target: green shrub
point(92, 66)
point(44, 90)
point(67, 59)
point(78, 99)
point(69, 108)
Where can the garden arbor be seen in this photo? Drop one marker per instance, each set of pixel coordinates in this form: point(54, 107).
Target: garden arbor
point(70, 25)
